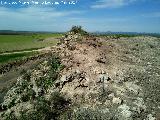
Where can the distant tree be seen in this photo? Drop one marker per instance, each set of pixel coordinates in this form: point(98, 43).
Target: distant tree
point(78, 29)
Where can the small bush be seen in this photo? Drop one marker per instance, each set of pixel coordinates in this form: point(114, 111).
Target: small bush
point(29, 95)
point(47, 109)
point(27, 75)
point(78, 29)
point(56, 66)
point(10, 116)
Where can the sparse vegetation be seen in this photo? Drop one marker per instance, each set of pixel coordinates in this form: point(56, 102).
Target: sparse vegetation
point(23, 91)
point(46, 109)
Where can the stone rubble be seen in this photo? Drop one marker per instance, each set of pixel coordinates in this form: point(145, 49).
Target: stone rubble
point(86, 79)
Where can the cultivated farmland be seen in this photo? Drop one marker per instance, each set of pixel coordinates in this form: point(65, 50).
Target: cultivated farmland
point(11, 43)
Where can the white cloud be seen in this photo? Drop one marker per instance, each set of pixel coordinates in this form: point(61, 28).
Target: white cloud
point(49, 19)
point(111, 3)
point(34, 18)
point(35, 12)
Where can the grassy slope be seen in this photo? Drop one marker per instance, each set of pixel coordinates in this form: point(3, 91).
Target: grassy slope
point(7, 80)
point(17, 56)
point(25, 42)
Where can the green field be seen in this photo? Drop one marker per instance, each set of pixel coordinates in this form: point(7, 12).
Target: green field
point(9, 43)
point(16, 56)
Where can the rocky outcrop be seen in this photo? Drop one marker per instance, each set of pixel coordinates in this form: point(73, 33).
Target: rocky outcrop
point(86, 79)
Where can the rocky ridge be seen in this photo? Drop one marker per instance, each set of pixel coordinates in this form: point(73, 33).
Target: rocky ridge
point(90, 80)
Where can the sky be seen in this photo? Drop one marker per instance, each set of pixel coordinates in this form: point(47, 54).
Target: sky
point(92, 15)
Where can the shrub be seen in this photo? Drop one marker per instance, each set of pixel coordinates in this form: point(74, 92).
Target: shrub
point(78, 29)
point(56, 66)
point(28, 96)
point(10, 116)
point(46, 109)
point(46, 82)
point(27, 75)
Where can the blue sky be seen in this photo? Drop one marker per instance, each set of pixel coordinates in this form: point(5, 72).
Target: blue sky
point(92, 15)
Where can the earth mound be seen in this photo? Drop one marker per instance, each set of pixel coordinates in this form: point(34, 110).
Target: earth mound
point(83, 79)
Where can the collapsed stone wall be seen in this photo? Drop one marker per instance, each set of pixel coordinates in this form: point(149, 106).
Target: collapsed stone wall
point(86, 80)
